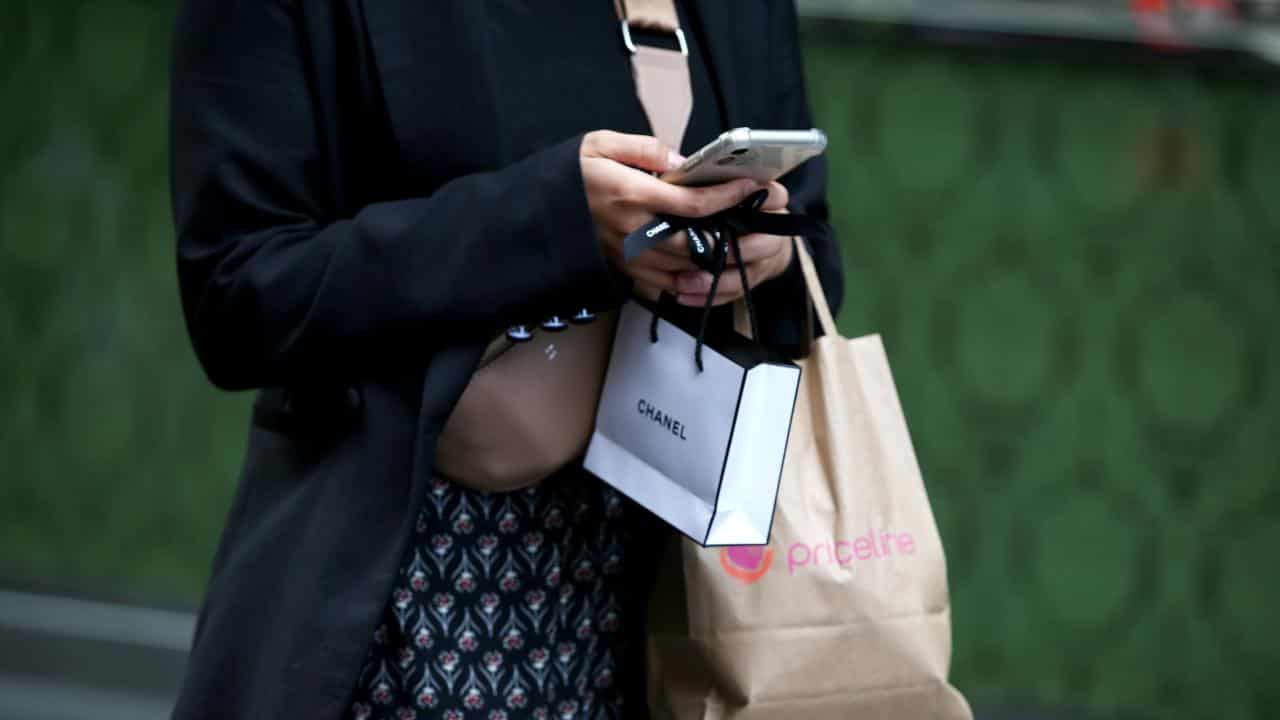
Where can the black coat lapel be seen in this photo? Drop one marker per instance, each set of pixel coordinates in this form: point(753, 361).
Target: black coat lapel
point(716, 27)
point(435, 63)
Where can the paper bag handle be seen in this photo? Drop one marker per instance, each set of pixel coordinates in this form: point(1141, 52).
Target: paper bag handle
point(814, 285)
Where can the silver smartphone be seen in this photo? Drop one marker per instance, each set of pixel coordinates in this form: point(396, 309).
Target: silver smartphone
point(762, 155)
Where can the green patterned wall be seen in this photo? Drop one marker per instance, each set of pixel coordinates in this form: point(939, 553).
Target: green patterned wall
point(1073, 259)
point(119, 459)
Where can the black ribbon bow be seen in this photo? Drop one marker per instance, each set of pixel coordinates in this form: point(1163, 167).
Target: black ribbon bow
point(711, 239)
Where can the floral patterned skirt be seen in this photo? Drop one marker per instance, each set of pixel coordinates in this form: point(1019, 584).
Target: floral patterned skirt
point(515, 605)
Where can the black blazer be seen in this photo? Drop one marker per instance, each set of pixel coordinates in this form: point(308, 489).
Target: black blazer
point(358, 210)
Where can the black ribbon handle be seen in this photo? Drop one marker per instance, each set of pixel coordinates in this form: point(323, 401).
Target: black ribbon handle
point(711, 239)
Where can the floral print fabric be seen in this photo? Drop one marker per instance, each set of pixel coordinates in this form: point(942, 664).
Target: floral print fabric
point(507, 606)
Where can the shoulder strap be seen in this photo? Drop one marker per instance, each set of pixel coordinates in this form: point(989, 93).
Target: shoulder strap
point(664, 86)
point(661, 75)
point(653, 14)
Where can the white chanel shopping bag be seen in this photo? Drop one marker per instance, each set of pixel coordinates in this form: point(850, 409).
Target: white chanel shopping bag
point(701, 449)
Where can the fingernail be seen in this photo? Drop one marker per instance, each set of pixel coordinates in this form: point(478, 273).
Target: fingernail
point(691, 300)
point(674, 159)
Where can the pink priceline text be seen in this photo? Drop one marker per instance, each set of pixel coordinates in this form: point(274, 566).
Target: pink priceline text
point(875, 545)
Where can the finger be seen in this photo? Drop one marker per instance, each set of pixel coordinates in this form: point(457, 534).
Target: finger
point(701, 300)
point(778, 198)
point(675, 248)
point(699, 283)
point(666, 262)
point(758, 247)
point(694, 283)
point(660, 197)
point(695, 286)
point(639, 151)
point(730, 284)
point(725, 293)
point(664, 281)
point(677, 245)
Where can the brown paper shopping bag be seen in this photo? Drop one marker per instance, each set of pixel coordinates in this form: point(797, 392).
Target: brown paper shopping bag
point(844, 614)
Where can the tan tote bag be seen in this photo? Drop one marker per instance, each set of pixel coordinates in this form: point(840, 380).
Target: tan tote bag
point(844, 614)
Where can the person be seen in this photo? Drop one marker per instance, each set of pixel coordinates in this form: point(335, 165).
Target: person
point(365, 194)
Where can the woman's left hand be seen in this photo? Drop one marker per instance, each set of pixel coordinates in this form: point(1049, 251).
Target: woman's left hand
point(766, 257)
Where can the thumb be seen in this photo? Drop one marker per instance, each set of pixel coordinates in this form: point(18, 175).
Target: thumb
point(638, 151)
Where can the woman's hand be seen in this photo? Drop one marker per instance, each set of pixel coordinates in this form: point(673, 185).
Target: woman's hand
point(765, 256)
point(622, 196)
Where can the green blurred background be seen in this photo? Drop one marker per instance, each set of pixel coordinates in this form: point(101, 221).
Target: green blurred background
point(1071, 253)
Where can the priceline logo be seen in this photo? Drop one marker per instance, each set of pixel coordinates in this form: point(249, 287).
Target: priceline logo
point(749, 564)
point(746, 563)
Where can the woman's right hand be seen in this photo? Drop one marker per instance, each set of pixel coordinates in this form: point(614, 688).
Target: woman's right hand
point(623, 196)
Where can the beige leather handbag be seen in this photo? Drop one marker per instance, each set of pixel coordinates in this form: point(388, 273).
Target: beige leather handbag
point(531, 406)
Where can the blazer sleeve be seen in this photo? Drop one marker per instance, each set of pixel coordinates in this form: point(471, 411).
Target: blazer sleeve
point(277, 286)
point(782, 300)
